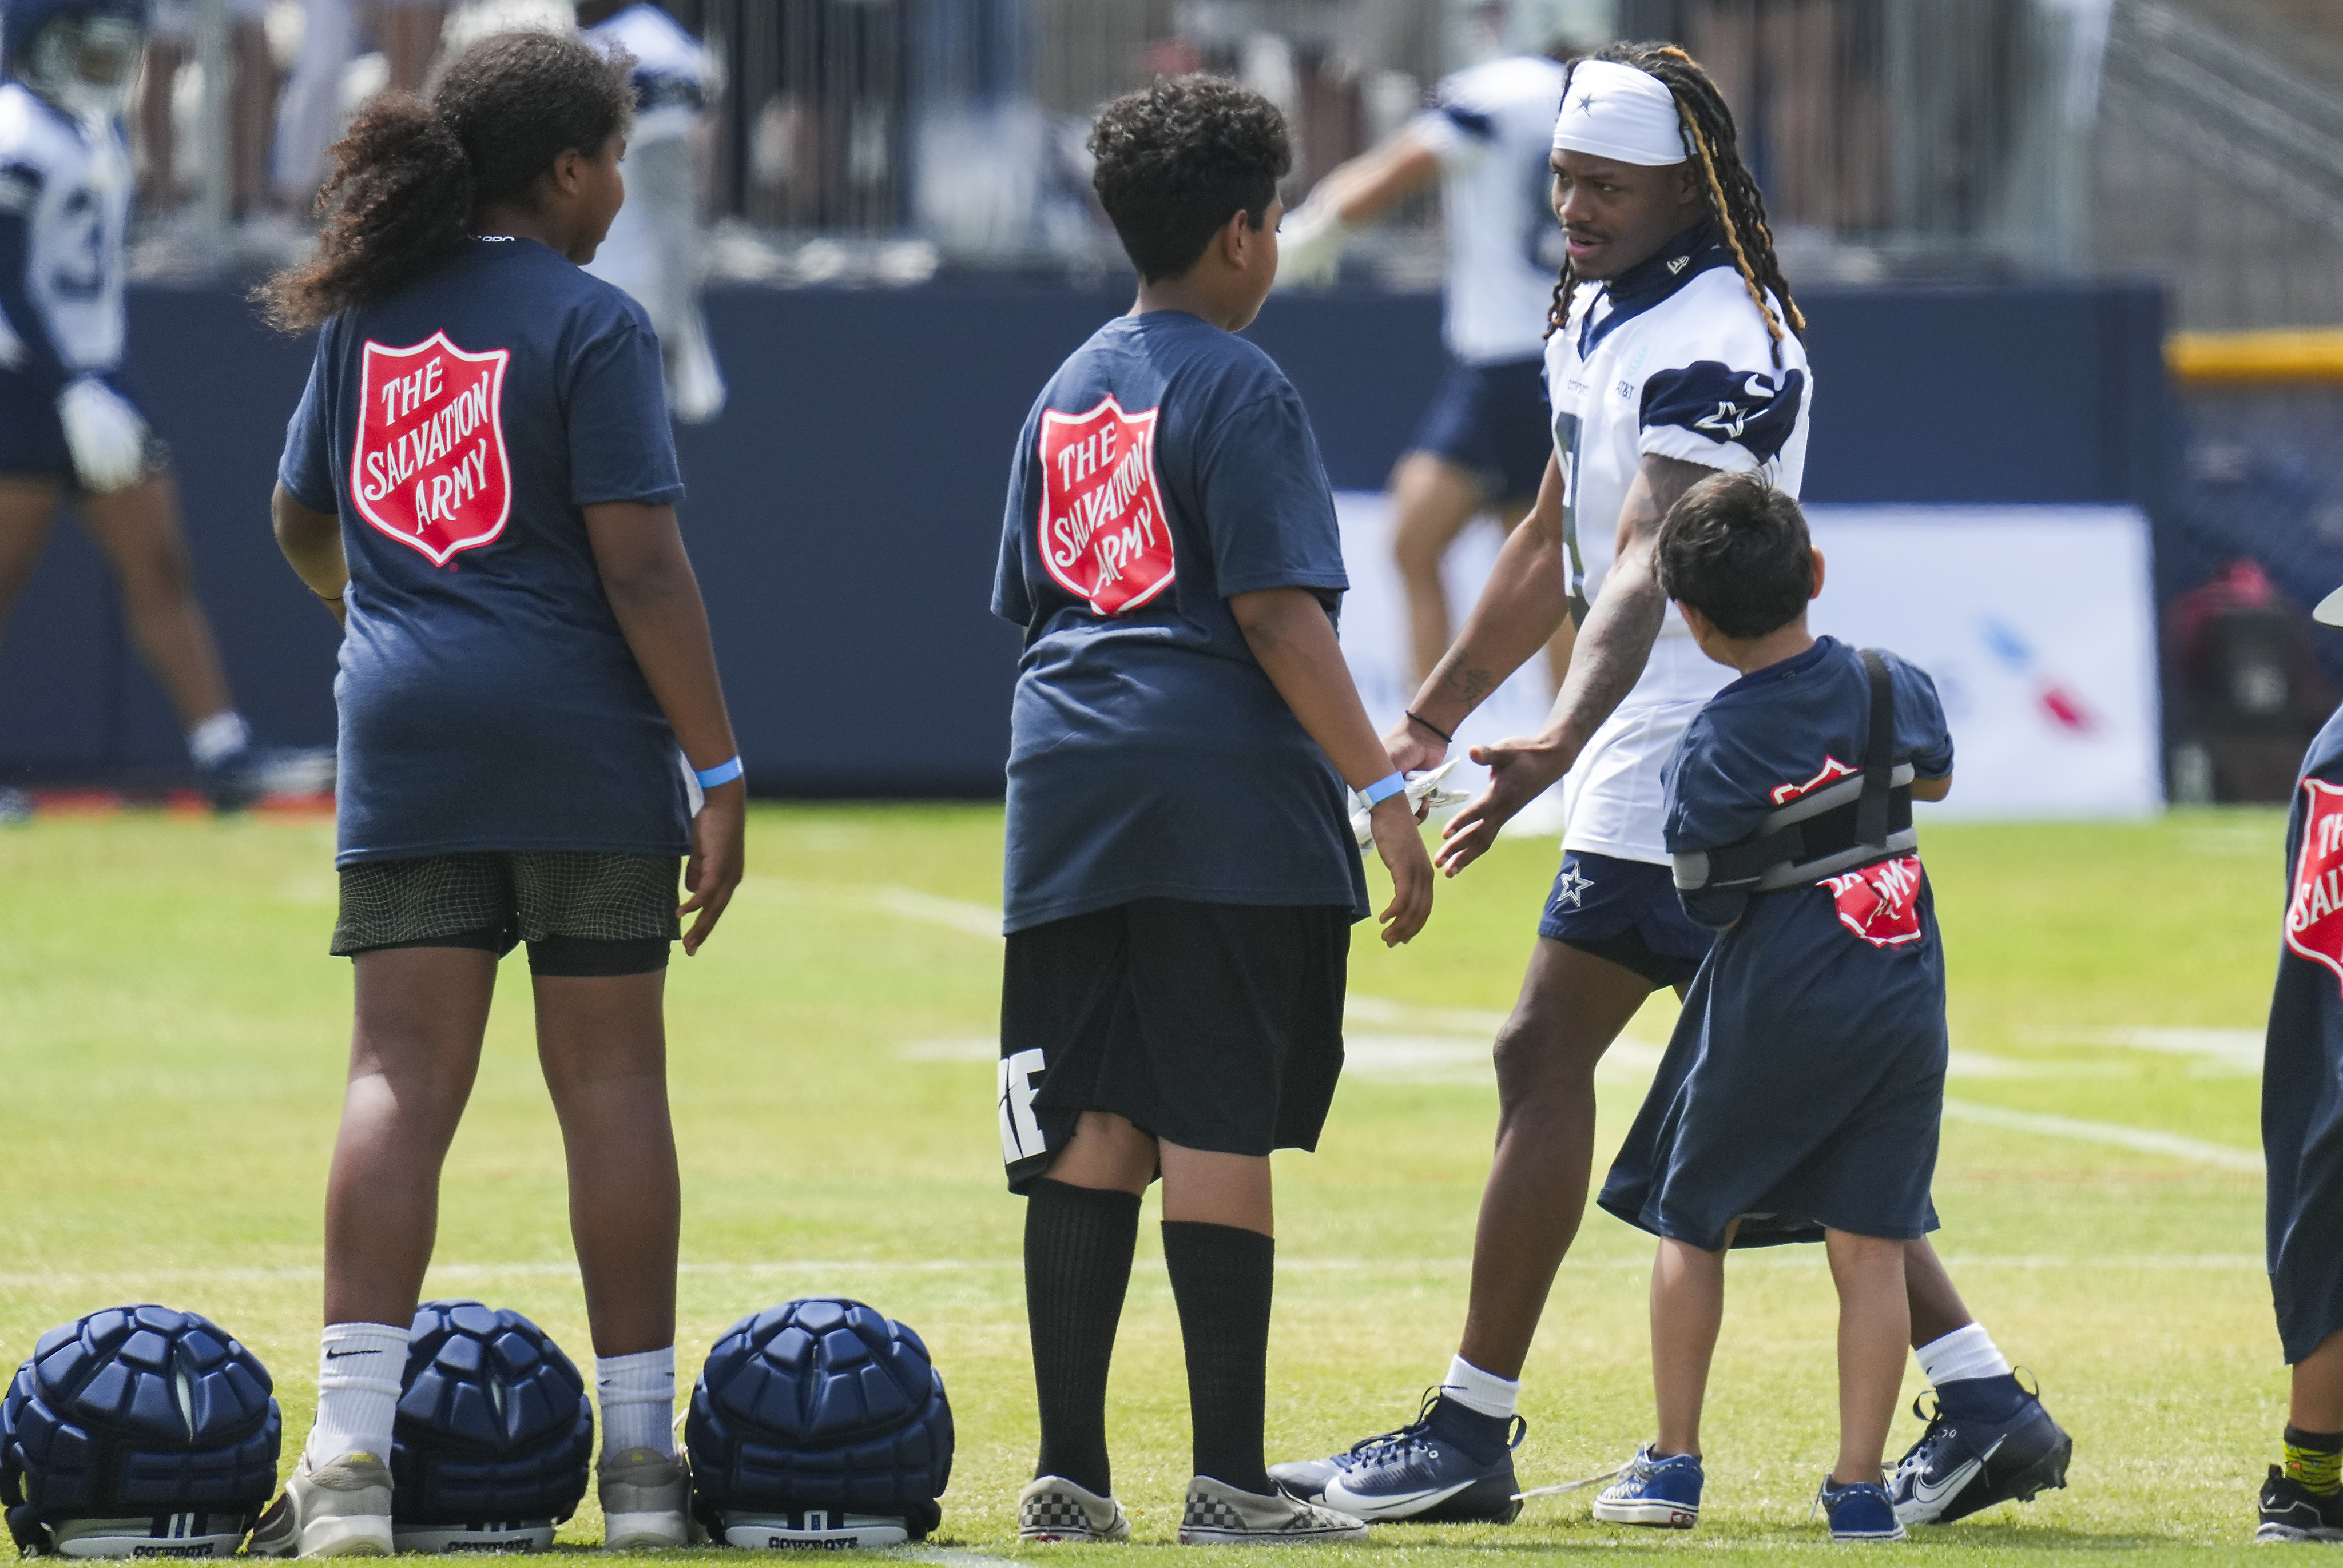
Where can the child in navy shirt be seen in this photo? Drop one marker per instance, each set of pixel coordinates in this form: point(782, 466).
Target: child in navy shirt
point(1181, 875)
point(1800, 1096)
point(481, 482)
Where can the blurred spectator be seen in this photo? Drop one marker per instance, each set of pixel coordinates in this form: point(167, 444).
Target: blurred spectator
point(654, 247)
point(409, 31)
point(170, 44)
point(2250, 694)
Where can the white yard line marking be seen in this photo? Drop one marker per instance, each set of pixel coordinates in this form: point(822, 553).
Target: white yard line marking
point(2224, 1156)
point(953, 1557)
point(2240, 1049)
point(957, 914)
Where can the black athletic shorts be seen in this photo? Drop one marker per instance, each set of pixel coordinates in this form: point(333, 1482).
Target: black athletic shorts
point(1215, 1026)
point(1492, 421)
point(580, 912)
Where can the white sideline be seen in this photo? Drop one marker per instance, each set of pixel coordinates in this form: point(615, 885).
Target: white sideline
point(2224, 1156)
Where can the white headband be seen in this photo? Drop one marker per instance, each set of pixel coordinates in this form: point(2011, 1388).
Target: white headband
point(1615, 111)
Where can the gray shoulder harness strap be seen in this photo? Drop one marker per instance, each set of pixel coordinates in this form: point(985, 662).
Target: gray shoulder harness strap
point(1839, 827)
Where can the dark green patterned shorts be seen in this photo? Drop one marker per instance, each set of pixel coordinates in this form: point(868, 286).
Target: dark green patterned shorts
point(580, 912)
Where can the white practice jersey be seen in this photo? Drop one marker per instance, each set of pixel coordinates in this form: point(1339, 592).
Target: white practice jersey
point(651, 251)
point(1671, 358)
point(68, 185)
point(1491, 128)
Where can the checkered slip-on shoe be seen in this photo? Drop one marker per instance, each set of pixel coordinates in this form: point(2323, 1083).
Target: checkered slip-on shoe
point(1053, 1508)
point(1220, 1515)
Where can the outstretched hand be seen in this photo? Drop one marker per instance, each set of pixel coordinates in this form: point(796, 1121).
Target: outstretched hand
point(1520, 769)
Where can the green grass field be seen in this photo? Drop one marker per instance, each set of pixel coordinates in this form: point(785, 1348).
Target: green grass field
point(171, 1049)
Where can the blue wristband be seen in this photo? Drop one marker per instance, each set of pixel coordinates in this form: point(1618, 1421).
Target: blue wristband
point(1383, 788)
point(722, 773)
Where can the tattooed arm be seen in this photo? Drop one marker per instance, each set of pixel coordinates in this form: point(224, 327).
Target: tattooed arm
point(1523, 604)
point(1607, 659)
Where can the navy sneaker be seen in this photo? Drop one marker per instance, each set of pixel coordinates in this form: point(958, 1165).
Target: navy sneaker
point(2292, 1512)
point(1989, 1441)
point(1859, 1510)
point(1662, 1493)
point(1451, 1466)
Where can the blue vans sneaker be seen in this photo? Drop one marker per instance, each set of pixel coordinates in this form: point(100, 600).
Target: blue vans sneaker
point(1662, 1492)
point(1988, 1441)
point(1859, 1510)
point(1451, 1466)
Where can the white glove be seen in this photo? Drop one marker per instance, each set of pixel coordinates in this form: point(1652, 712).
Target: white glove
point(1423, 791)
point(1310, 246)
point(104, 433)
point(695, 386)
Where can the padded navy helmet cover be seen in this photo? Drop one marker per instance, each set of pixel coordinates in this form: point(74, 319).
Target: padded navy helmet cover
point(820, 1403)
point(494, 1422)
point(135, 1410)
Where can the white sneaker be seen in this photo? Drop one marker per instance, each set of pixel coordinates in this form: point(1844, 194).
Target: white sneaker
point(341, 1509)
point(646, 1499)
point(1051, 1508)
point(1220, 1515)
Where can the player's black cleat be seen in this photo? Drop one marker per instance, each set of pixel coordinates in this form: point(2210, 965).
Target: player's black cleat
point(250, 774)
point(1973, 1456)
point(2292, 1512)
point(1449, 1466)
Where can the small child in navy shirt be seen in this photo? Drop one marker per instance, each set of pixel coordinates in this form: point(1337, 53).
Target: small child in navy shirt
point(1800, 1096)
point(1181, 877)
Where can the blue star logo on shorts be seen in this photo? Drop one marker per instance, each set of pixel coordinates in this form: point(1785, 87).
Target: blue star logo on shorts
point(1570, 888)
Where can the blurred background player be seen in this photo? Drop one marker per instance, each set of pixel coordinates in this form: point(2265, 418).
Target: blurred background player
point(1482, 444)
point(68, 426)
point(409, 34)
point(656, 245)
point(478, 402)
point(2302, 1142)
point(1180, 879)
point(1683, 360)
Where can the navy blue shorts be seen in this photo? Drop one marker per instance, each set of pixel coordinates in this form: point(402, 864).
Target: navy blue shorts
point(1492, 420)
point(1625, 911)
point(32, 439)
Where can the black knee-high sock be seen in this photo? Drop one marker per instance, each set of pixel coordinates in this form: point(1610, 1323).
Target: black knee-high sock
point(1221, 1278)
point(1078, 1247)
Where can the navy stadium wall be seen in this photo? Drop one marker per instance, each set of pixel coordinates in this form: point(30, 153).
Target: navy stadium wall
point(844, 513)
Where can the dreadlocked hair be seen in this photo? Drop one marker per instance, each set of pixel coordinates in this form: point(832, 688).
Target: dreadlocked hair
point(412, 176)
point(1734, 199)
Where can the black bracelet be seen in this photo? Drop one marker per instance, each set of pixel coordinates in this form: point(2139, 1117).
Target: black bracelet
point(1445, 738)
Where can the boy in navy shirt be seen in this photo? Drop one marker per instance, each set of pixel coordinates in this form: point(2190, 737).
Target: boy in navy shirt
point(1800, 1096)
point(2302, 1131)
point(1181, 874)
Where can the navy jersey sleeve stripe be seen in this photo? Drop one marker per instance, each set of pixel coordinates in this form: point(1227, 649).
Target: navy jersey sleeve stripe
point(1715, 402)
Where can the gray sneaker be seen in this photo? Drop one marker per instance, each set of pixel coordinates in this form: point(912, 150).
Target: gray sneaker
point(1220, 1515)
point(341, 1509)
point(646, 1499)
point(1053, 1508)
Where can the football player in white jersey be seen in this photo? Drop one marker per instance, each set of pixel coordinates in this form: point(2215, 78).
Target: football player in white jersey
point(654, 247)
point(1674, 353)
point(1482, 444)
point(66, 422)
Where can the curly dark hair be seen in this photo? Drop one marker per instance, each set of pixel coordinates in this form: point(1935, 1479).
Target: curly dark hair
point(1734, 199)
point(411, 177)
point(1178, 159)
point(1737, 550)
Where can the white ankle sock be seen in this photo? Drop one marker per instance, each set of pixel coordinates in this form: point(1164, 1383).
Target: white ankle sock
point(221, 735)
point(1966, 1352)
point(1475, 1390)
point(358, 1371)
point(638, 1398)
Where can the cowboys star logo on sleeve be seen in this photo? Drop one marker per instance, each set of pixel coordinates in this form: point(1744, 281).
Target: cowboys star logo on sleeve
point(429, 467)
point(2314, 910)
point(1103, 533)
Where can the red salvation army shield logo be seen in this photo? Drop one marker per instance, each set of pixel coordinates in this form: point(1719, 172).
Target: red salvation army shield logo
point(1103, 533)
point(2314, 910)
point(1880, 903)
point(428, 467)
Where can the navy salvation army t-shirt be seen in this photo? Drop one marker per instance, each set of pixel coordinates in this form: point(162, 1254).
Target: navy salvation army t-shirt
point(1166, 465)
point(459, 428)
